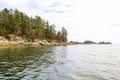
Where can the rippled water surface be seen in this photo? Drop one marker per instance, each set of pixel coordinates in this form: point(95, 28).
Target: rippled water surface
point(76, 62)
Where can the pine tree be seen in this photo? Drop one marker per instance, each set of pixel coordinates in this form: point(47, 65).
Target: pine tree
point(19, 24)
point(64, 35)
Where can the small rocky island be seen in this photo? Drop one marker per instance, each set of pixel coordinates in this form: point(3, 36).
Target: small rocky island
point(92, 42)
point(89, 42)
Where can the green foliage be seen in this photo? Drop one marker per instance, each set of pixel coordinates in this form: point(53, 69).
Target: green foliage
point(2, 31)
point(58, 36)
point(105, 42)
point(19, 24)
point(88, 42)
point(64, 34)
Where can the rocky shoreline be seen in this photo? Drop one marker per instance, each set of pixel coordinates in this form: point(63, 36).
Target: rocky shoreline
point(18, 41)
point(9, 44)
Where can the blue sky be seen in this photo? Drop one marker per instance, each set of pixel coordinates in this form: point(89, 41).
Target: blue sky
point(97, 20)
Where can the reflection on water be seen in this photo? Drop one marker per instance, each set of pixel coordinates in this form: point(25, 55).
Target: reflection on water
point(78, 62)
point(23, 63)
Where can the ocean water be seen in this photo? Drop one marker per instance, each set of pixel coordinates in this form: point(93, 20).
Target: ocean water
point(74, 62)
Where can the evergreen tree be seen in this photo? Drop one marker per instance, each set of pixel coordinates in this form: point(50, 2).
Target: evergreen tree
point(58, 37)
point(19, 24)
point(64, 35)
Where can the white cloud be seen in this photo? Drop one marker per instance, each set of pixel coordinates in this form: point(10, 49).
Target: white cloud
point(84, 19)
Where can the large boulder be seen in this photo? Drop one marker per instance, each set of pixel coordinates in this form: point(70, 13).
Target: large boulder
point(16, 38)
point(2, 39)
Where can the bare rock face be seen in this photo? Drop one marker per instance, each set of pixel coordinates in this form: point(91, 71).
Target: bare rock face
point(36, 40)
point(15, 38)
point(2, 39)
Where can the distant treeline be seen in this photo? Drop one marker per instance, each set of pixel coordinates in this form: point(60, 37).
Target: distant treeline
point(92, 42)
point(20, 24)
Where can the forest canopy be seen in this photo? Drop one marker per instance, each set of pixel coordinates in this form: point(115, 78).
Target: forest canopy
point(19, 24)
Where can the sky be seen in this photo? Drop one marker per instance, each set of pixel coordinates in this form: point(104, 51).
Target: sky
point(96, 20)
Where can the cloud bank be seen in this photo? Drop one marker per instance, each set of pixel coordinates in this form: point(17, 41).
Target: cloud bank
point(84, 19)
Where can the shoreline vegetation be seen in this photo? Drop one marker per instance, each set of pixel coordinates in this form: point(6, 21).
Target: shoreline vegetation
point(92, 42)
point(18, 29)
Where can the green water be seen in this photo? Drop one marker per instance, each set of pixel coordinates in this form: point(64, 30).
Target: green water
point(13, 61)
point(75, 62)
